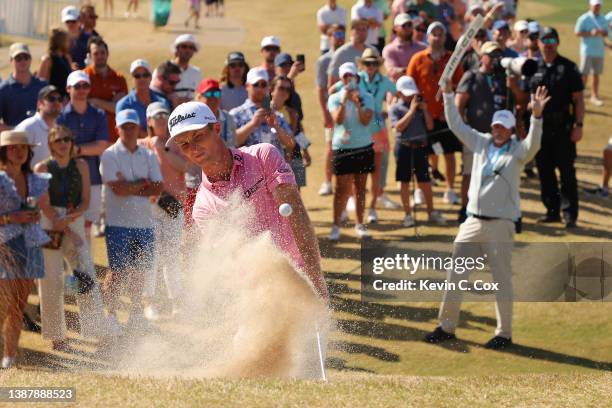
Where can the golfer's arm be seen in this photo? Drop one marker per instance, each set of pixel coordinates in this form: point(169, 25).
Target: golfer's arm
point(304, 235)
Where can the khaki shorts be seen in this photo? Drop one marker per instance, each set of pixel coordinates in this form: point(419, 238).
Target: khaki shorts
point(591, 65)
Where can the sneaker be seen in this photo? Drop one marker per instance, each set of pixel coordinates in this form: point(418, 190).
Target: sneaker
point(326, 189)
point(596, 101)
point(344, 218)
point(30, 325)
point(334, 234)
point(419, 197)
point(387, 203)
point(599, 191)
point(408, 221)
point(549, 218)
point(372, 217)
point(8, 362)
point(350, 204)
point(435, 173)
point(438, 336)
point(362, 231)
point(150, 313)
point(450, 197)
point(437, 218)
point(498, 343)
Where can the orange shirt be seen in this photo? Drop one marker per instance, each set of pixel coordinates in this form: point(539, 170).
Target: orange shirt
point(174, 180)
point(426, 73)
point(106, 88)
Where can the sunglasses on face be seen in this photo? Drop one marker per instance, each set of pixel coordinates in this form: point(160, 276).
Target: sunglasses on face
point(549, 41)
point(212, 94)
point(65, 139)
point(143, 75)
point(53, 99)
point(271, 49)
point(83, 85)
point(524, 31)
point(71, 22)
point(173, 82)
point(261, 84)
point(370, 63)
point(92, 16)
point(187, 47)
point(421, 29)
point(534, 37)
point(236, 65)
point(22, 57)
point(407, 25)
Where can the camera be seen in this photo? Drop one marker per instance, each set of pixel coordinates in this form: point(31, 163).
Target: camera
point(519, 66)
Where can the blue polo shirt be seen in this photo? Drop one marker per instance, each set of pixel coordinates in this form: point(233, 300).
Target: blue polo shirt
point(78, 50)
point(18, 102)
point(88, 127)
point(130, 101)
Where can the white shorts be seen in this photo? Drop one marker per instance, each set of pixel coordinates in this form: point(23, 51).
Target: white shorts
point(95, 204)
point(591, 65)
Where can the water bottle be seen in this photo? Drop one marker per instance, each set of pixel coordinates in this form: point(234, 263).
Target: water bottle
point(71, 285)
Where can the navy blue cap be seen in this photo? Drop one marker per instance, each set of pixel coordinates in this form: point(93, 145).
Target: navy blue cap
point(283, 58)
point(500, 25)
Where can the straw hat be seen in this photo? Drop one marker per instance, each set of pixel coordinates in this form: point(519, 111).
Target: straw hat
point(13, 137)
point(370, 54)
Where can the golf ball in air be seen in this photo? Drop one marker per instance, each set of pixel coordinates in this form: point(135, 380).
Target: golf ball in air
point(285, 210)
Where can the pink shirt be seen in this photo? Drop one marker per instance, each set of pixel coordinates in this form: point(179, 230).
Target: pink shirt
point(257, 171)
point(397, 56)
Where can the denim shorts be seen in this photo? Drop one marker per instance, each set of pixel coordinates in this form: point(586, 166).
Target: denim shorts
point(129, 248)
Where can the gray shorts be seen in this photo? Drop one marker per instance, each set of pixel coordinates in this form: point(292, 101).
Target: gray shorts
point(591, 65)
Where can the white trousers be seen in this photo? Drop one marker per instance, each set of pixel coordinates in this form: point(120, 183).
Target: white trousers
point(475, 238)
point(168, 240)
point(51, 287)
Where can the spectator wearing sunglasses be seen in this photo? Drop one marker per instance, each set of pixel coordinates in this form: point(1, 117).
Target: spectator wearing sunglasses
point(185, 46)
point(107, 85)
point(233, 81)
point(420, 29)
point(398, 52)
point(88, 18)
point(18, 94)
point(78, 37)
point(257, 123)
point(167, 219)
point(166, 77)
point(209, 92)
point(90, 131)
point(141, 96)
point(270, 48)
point(533, 36)
point(37, 127)
point(519, 41)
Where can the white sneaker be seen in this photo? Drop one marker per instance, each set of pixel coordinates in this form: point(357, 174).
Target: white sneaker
point(419, 197)
point(8, 362)
point(334, 234)
point(150, 313)
point(372, 217)
point(114, 328)
point(596, 101)
point(344, 218)
point(437, 217)
point(350, 204)
point(450, 197)
point(408, 221)
point(362, 231)
point(326, 189)
point(387, 203)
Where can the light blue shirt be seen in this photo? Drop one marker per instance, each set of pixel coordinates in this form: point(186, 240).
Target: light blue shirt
point(359, 135)
point(591, 46)
point(494, 153)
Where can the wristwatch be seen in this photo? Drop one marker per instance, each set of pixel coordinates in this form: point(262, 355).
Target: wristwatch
point(578, 124)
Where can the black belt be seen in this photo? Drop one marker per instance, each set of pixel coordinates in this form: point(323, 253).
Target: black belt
point(484, 217)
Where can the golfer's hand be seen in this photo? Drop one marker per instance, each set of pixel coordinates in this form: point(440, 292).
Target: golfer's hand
point(448, 87)
point(539, 101)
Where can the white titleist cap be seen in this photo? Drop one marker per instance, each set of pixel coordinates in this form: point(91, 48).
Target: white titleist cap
point(347, 68)
point(189, 116)
point(407, 86)
point(504, 118)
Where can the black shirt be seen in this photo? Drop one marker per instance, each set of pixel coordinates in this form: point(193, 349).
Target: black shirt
point(562, 78)
point(488, 94)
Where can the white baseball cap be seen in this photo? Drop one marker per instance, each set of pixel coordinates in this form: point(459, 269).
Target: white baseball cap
point(70, 13)
point(407, 86)
point(434, 25)
point(504, 118)
point(155, 108)
point(521, 25)
point(183, 39)
point(257, 74)
point(347, 68)
point(270, 41)
point(139, 63)
point(188, 116)
point(595, 2)
point(77, 76)
point(402, 19)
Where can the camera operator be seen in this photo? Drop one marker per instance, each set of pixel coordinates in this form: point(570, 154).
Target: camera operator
point(481, 93)
point(563, 120)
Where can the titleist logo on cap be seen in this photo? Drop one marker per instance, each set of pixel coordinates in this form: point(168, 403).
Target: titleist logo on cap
point(179, 118)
